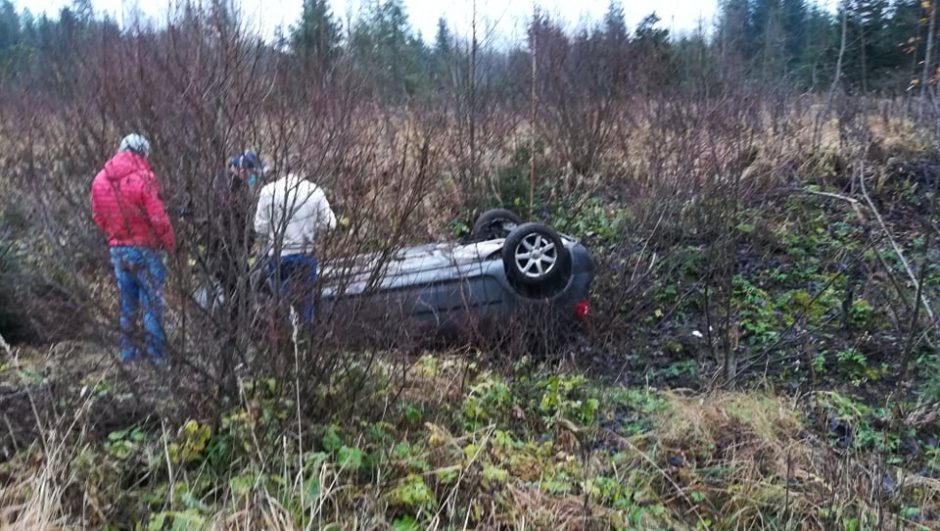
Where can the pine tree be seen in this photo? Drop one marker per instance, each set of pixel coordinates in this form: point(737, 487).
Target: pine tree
point(652, 45)
point(872, 60)
point(793, 20)
point(9, 25)
point(83, 11)
point(615, 29)
point(769, 55)
point(761, 16)
point(442, 39)
point(648, 33)
point(316, 38)
point(383, 44)
point(696, 65)
point(734, 39)
point(814, 66)
point(907, 32)
point(441, 54)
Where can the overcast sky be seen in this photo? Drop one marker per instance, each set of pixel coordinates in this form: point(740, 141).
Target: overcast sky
point(504, 18)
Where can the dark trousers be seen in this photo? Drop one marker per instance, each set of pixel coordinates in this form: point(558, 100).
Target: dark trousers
point(298, 279)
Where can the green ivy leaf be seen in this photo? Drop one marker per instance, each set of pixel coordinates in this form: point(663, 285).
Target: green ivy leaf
point(413, 492)
point(241, 485)
point(350, 458)
point(331, 439)
point(492, 474)
point(157, 522)
point(405, 523)
point(117, 435)
point(312, 487)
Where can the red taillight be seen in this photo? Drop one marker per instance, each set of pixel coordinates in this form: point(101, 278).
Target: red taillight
point(582, 309)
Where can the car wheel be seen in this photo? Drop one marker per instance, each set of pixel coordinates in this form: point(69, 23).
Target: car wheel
point(496, 223)
point(534, 255)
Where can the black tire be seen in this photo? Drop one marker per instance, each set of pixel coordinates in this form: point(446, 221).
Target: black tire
point(535, 270)
point(495, 223)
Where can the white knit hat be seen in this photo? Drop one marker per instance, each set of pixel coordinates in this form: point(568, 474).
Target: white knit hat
point(136, 143)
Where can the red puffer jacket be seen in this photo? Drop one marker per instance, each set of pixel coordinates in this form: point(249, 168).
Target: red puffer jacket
point(126, 204)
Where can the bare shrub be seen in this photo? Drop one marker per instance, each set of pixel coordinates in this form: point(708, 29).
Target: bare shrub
point(202, 90)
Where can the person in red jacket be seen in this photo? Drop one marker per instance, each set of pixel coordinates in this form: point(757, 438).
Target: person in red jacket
point(126, 204)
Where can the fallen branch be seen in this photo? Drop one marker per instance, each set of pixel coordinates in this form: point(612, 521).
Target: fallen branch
point(894, 244)
point(856, 205)
point(829, 194)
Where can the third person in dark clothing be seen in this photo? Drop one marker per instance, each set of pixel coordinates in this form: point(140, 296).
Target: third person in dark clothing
point(230, 232)
point(229, 244)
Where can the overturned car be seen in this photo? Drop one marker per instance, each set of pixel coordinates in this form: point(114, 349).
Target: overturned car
point(509, 280)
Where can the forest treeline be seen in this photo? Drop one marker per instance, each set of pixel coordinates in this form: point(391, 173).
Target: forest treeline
point(885, 45)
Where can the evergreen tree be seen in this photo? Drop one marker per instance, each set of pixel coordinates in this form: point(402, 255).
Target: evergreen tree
point(652, 46)
point(385, 47)
point(648, 34)
point(769, 59)
point(696, 61)
point(873, 61)
point(781, 42)
point(761, 16)
point(734, 39)
point(316, 38)
point(613, 43)
point(10, 39)
point(84, 13)
point(814, 66)
point(9, 25)
point(907, 32)
point(441, 55)
point(442, 39)
point(793, 21)
point(615, 29)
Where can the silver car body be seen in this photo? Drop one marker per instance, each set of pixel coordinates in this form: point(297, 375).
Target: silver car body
point(447, 287)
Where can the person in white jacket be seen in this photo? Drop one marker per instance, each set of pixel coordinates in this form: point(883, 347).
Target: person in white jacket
point(291, 214)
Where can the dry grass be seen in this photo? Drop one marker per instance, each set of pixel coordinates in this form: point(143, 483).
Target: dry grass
point(750, 462)
point(739, 460)
point(34, 499)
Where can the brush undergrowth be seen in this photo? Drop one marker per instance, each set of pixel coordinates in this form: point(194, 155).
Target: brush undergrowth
point(465, 446)
point(794, 281)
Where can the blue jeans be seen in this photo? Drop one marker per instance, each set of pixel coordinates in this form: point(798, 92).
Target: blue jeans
point(298, 283)
point(141, 276)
